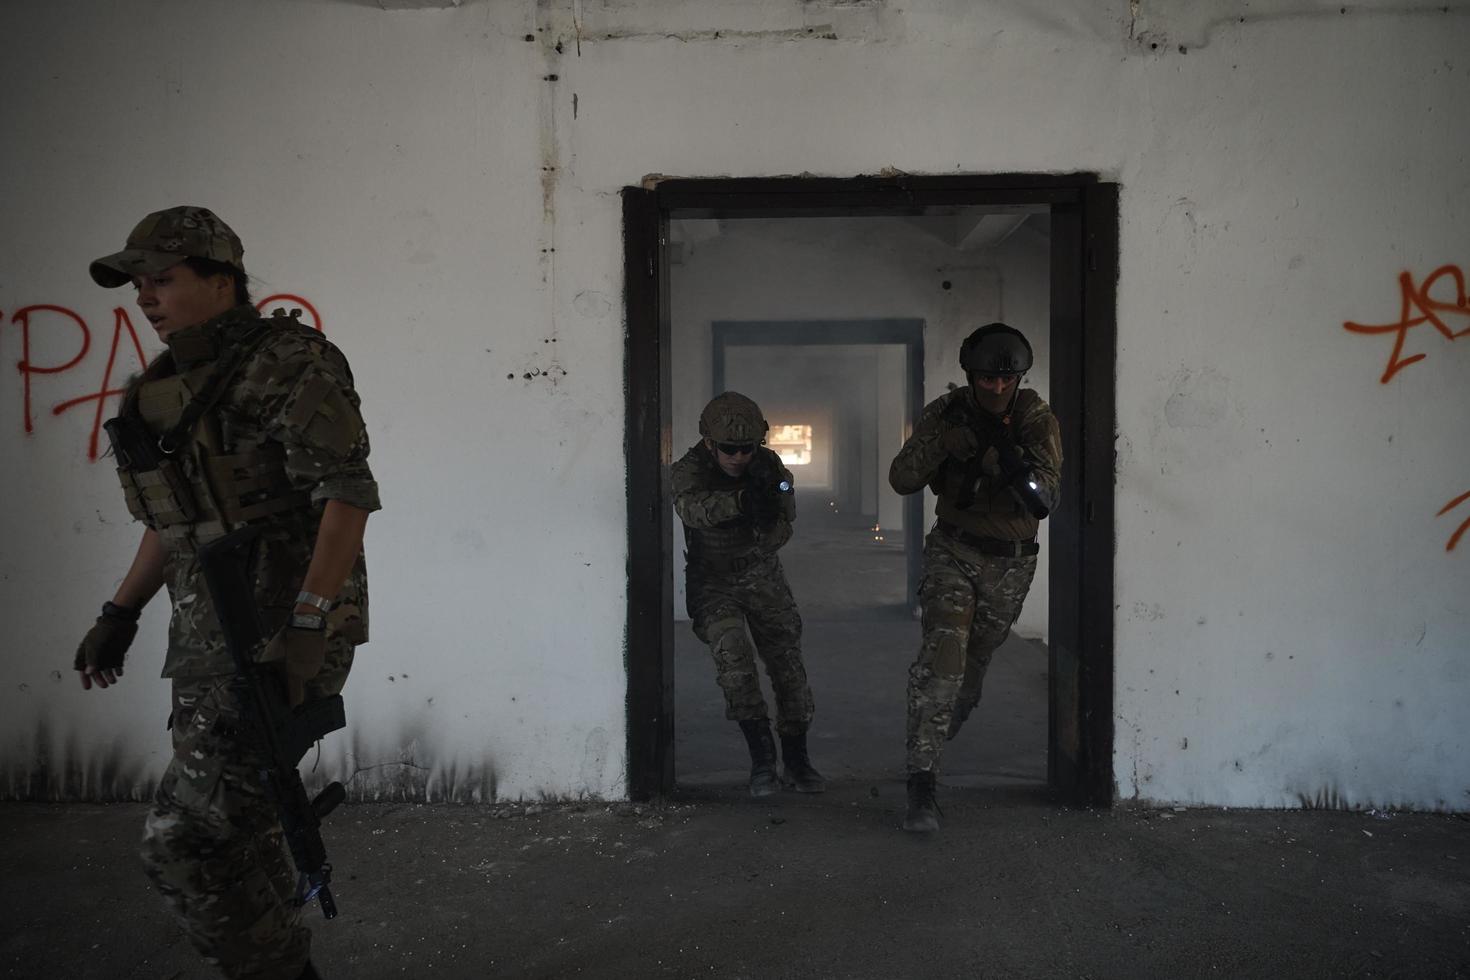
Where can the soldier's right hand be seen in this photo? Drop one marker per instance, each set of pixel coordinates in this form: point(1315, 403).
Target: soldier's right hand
point(960, 442)
point(299, 655)
point(101, 653)
point(752, 504)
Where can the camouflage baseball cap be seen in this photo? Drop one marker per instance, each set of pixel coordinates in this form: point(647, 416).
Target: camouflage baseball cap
point(164, 239)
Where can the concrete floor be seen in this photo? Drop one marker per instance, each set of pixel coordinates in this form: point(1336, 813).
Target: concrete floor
point(858, 671)
point(858, 642)
point(796, 888)
point(716, 885)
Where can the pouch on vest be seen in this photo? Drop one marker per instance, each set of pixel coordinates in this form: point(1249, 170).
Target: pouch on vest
point(154, 486)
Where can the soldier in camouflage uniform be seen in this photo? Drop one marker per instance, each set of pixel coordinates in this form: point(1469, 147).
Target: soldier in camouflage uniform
point(737, 503)
point(279, 443)
point(992, 454)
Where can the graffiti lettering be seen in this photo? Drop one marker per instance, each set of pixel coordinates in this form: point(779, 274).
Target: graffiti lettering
point(105, 392)
point(24, 365)
point(1460, 531)
point(51, 317)
point(1416, 299)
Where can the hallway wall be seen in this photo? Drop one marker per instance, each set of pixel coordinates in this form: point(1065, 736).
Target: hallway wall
point(442, 186)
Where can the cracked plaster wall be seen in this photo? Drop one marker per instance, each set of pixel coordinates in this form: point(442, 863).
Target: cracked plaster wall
point(442, 184)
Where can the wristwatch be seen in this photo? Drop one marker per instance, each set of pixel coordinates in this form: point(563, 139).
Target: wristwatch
point(304, 598)
point(307, 621)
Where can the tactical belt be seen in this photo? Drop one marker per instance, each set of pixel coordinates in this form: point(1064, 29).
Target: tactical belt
point(722, 566)
point(999, 547)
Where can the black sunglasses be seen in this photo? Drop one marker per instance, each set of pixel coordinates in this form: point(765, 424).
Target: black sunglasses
point(736, 448)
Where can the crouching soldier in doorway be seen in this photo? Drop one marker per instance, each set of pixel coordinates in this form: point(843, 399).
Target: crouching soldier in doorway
point(737, 504)
point(242, 420)
point(992, 453)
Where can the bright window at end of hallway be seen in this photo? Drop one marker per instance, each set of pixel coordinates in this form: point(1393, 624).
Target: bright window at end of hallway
point(793, 443)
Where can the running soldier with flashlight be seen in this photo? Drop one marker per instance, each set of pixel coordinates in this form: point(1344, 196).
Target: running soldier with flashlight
point(992, 453)
point(737, 504)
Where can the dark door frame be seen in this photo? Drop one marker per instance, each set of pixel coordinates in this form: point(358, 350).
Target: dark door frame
point(1084, 275)
point(907, 332)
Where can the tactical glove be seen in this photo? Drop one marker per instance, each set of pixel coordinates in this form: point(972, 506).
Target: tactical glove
point(760, 505)
point(299, 655)
point(960, 442)
point(106, 643)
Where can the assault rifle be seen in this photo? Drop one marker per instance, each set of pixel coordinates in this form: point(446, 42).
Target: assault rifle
point(280, 734)
point(1015, 473)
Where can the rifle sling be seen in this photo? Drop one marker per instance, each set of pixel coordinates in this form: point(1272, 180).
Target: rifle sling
point(213, 389)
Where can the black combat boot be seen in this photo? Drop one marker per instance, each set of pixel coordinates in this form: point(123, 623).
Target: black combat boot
point(799, 772)
point(923, 813)
point(309, 973)
point(762, 757)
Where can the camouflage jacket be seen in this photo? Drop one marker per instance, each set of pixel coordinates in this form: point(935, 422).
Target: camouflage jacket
point(707, 500)
point(994, 511)
point(285, 437)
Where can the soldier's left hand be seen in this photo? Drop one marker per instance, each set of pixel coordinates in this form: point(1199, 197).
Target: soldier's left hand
point(299, 655)
point(100, 655)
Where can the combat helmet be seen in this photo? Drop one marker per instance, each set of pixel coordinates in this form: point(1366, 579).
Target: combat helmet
point(731, 417)
point(996, 349)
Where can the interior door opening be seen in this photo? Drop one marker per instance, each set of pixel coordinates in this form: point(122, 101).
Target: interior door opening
point(838, 305)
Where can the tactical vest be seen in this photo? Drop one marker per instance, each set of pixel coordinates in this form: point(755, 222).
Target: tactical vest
point(993, 511)
point(205, 485)
point(718, 548)
point(730, 547)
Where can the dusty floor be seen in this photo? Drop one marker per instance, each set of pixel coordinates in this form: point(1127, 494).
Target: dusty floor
point(1012, 886)
point(858, 642)
point(714, 885)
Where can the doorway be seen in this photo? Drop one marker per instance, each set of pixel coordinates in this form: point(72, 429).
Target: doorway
point(1082, 263)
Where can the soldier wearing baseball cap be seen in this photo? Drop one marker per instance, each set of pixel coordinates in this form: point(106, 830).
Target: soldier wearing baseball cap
point(164, 239)
point(290, 459)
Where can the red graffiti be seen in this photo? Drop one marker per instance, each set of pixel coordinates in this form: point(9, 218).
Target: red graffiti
point(24, 365)
point(1460, 532)
point(1416, 299)
point(104, 391)
point(28, 320)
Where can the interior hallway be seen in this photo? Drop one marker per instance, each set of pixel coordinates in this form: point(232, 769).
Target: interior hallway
point(858, 641)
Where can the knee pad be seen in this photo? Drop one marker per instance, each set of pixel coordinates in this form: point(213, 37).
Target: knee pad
point(727, 635)
point(949, 655)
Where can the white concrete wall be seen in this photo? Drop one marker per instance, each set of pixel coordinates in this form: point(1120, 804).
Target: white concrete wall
point(1291, 629)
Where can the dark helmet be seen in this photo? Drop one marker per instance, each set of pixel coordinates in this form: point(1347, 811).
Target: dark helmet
point(995, 348)
point(732, 417)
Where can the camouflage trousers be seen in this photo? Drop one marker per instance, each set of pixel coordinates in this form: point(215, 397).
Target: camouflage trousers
point(723, 606)
point(969, 601)
point(212, 843)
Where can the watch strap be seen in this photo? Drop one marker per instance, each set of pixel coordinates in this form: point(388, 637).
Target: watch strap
point(304, 598)
point(114, 611)
point(307, 621)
